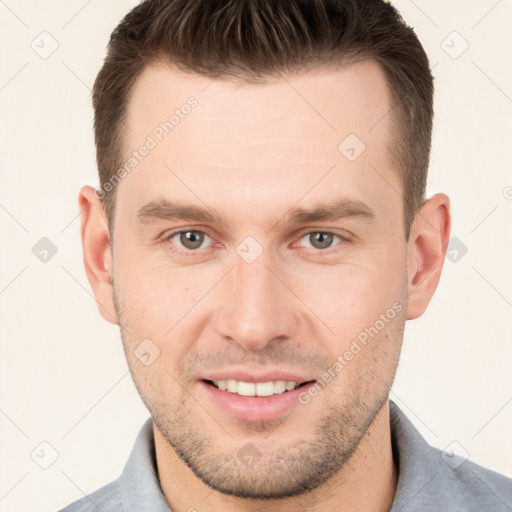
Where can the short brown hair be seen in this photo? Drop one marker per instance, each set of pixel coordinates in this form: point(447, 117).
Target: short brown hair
point(250, 40)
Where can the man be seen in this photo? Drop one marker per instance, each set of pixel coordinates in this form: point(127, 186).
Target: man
point(260, 236)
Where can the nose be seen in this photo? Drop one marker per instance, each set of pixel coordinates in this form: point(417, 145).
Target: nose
point(256, 306)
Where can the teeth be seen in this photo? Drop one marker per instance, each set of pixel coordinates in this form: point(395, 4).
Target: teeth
point(279, 386)
point(256, 389)
point(263, 388)
point(232, 386)
point(290, 385)
point(247, 388)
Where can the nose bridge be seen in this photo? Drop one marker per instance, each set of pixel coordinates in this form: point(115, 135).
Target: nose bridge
point(256, 306)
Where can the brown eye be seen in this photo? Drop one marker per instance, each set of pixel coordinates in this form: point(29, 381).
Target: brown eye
point(189, 239)
point(319, 239)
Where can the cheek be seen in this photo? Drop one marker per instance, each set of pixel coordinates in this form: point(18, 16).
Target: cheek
point(163, 304)
point(155, 293)
point(350, 297)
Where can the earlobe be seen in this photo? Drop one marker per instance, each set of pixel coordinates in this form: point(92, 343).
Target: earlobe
point(96, 251)
point(428, 239)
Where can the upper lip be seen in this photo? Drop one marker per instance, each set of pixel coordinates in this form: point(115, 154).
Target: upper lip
point(249, 375)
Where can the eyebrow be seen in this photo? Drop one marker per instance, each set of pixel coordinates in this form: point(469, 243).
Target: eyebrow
point(339, 209)
point(336, 210)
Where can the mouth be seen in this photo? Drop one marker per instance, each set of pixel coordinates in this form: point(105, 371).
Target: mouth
point(255, 394)
point(250, 401)
point(256, 389)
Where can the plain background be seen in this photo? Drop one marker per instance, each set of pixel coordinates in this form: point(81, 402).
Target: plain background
point(63, 377)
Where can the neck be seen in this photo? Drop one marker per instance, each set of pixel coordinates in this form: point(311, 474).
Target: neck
point(367, 482)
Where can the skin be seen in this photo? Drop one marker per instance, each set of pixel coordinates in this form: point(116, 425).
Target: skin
point(249, 154)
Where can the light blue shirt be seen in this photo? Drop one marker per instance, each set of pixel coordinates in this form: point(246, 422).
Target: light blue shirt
point(428, 481)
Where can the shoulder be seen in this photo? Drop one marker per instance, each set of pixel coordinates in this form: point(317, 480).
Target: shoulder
point(106, 499)
point(430, 480)
point(476, 487)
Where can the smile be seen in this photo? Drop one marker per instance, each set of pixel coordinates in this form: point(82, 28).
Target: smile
point(268, 388)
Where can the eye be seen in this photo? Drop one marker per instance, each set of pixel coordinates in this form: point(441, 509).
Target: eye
point(190, 239)
point(320, 240)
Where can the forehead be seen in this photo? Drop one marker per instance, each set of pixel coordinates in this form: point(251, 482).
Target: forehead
point(259, 138)
point(329, 101)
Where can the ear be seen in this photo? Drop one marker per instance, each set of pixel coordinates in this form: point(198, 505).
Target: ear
point(428, 239)
point(97, 253)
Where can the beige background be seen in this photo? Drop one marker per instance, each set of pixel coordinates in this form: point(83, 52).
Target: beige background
point(63, 377)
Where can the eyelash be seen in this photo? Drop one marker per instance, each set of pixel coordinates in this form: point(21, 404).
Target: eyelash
point(192, 252)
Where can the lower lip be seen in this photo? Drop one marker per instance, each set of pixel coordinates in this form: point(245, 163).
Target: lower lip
point(255, 408)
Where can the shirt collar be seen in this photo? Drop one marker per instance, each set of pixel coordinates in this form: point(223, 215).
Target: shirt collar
point(422, 474)
point(140, 488)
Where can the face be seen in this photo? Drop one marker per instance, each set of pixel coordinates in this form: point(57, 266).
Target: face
point(253, 252)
